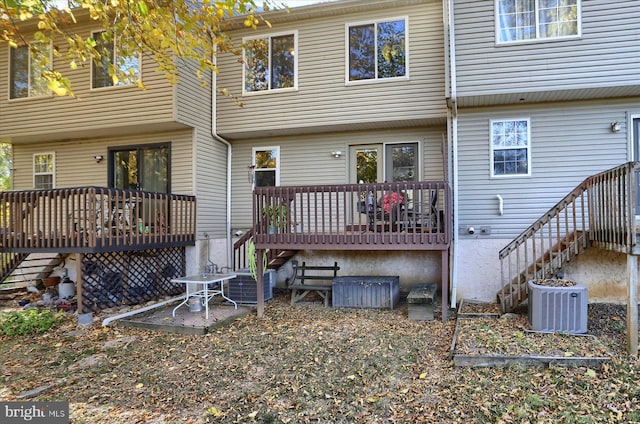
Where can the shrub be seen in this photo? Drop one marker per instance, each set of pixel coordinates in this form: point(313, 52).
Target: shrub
point(32, 321)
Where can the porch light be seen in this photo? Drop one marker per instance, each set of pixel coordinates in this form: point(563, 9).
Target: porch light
point(336, 154)
point(615, 127)
point(98, 158)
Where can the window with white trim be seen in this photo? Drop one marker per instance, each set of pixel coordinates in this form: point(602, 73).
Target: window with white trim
point(26, 67)
point(43, 170)
point(111, 61)
point(270, 63)
point(377, 50)
point(266, 166)
point(522, 20)
point(510, 148)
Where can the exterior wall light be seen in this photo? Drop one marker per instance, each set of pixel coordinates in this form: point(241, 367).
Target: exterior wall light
point(336, 154)
point(98, 158)
point(615, 127)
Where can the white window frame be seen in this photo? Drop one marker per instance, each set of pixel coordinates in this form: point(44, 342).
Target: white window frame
point(10, 69)
point(253, 162)
point(538, 38)
point(295, 64)
point(419, 158)
point(53, 168)
point(376, 79)
point(115, 54)
point(492, 148)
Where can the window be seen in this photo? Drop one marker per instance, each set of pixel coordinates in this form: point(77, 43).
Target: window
point(510, 148)
point(43, 170)
point(26, 69)
point(401, 162)
point(270, 63)
point(377, 50)
point(109, 58)
point(521, 20)
point(266, 170)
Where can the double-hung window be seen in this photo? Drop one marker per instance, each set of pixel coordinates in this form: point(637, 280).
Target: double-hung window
point(43, 170)
point(270, 63)
point(377, 50)
point(27, 64)
point(111, 62)
point(266, 166)
point(522, 20)
point(510, 148)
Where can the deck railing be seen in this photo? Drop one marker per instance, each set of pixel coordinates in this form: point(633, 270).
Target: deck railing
point(599, 212)
point(386, 216)
point(92, 219)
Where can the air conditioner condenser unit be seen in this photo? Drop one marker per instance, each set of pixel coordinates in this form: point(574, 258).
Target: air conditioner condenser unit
point(558, 309)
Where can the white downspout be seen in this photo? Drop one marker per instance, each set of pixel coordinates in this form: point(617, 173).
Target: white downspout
point(452, 117)
point(214, 133)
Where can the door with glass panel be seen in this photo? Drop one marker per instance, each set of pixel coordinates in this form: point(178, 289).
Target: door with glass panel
point(636, 157)
point(144, 168)
point(365, 167)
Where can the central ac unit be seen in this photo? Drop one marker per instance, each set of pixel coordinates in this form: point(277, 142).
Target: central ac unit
point(558, 309)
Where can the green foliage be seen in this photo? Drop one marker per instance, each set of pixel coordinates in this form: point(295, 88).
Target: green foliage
point(171, 33)
point(32, 321)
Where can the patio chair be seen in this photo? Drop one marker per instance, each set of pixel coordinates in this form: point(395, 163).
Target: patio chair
point(387, 210)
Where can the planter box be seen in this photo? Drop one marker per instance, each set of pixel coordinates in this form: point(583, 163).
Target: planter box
point(243, 288)
point(381, 292)
point(557, 309)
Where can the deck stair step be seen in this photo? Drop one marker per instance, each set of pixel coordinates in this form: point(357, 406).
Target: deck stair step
point(34, 266)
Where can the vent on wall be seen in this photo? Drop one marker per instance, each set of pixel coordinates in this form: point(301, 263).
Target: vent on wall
point(558, 309)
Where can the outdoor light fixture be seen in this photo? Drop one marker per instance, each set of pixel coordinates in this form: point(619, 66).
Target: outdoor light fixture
point(98, 158)
point(336, 154)
point(615, 127)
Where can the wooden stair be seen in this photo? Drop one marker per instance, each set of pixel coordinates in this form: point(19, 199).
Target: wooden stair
point(275, 257)
point(545, 266)
point(30, 267)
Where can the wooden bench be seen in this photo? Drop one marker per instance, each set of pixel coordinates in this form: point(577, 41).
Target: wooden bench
point(420, 302)
point(300, 289)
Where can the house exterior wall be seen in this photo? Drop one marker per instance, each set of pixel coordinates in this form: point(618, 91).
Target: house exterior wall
point(323, 102)
point(94, 112)
point(604, 56)
point(307, 160)
point(75, 165)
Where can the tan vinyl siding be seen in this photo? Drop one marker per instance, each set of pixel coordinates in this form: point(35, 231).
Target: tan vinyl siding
point(605, 56)
point(75, 165)
point(323, 101)
point(99, 111)
point(307, 160)
point(569, 142)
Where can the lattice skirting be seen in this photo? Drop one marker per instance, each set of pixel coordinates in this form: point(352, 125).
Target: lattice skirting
point(130, 278)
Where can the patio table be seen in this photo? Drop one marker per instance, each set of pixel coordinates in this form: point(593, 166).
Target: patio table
point(204, 287)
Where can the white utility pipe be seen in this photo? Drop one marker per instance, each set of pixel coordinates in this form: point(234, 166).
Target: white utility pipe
point(107, 321)
point(500, 205)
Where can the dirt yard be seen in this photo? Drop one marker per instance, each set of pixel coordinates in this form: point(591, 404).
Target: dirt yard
point(309, 363)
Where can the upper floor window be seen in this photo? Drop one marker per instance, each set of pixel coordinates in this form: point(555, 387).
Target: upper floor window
point(270, 63)
point(377, 50)
point(43, 170)
point(26, 68)
point(266, 166)
point(521, 20)
point(510, 148)
point(111, 62)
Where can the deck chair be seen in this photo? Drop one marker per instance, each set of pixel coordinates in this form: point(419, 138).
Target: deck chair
point(387, 210)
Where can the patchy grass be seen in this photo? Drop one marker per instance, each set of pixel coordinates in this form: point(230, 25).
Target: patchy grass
point(308, 363)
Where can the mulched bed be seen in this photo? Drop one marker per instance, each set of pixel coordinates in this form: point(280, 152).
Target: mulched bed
point(308, 363)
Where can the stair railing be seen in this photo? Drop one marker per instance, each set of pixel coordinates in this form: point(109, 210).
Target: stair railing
point(600, 211)
point(241, 252)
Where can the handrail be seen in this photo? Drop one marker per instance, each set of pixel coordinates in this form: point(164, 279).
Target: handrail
point(94, 218)
point(600, 211)
point(403, 215)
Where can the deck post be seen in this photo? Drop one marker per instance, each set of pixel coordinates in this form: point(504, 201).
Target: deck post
point(632, 304)
point(260, 283)
point(445, 283)
point(79, 281)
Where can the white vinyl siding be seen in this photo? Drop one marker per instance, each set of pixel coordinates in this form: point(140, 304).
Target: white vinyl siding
point(323, 102)
point(603, 62)
point(571, 141)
